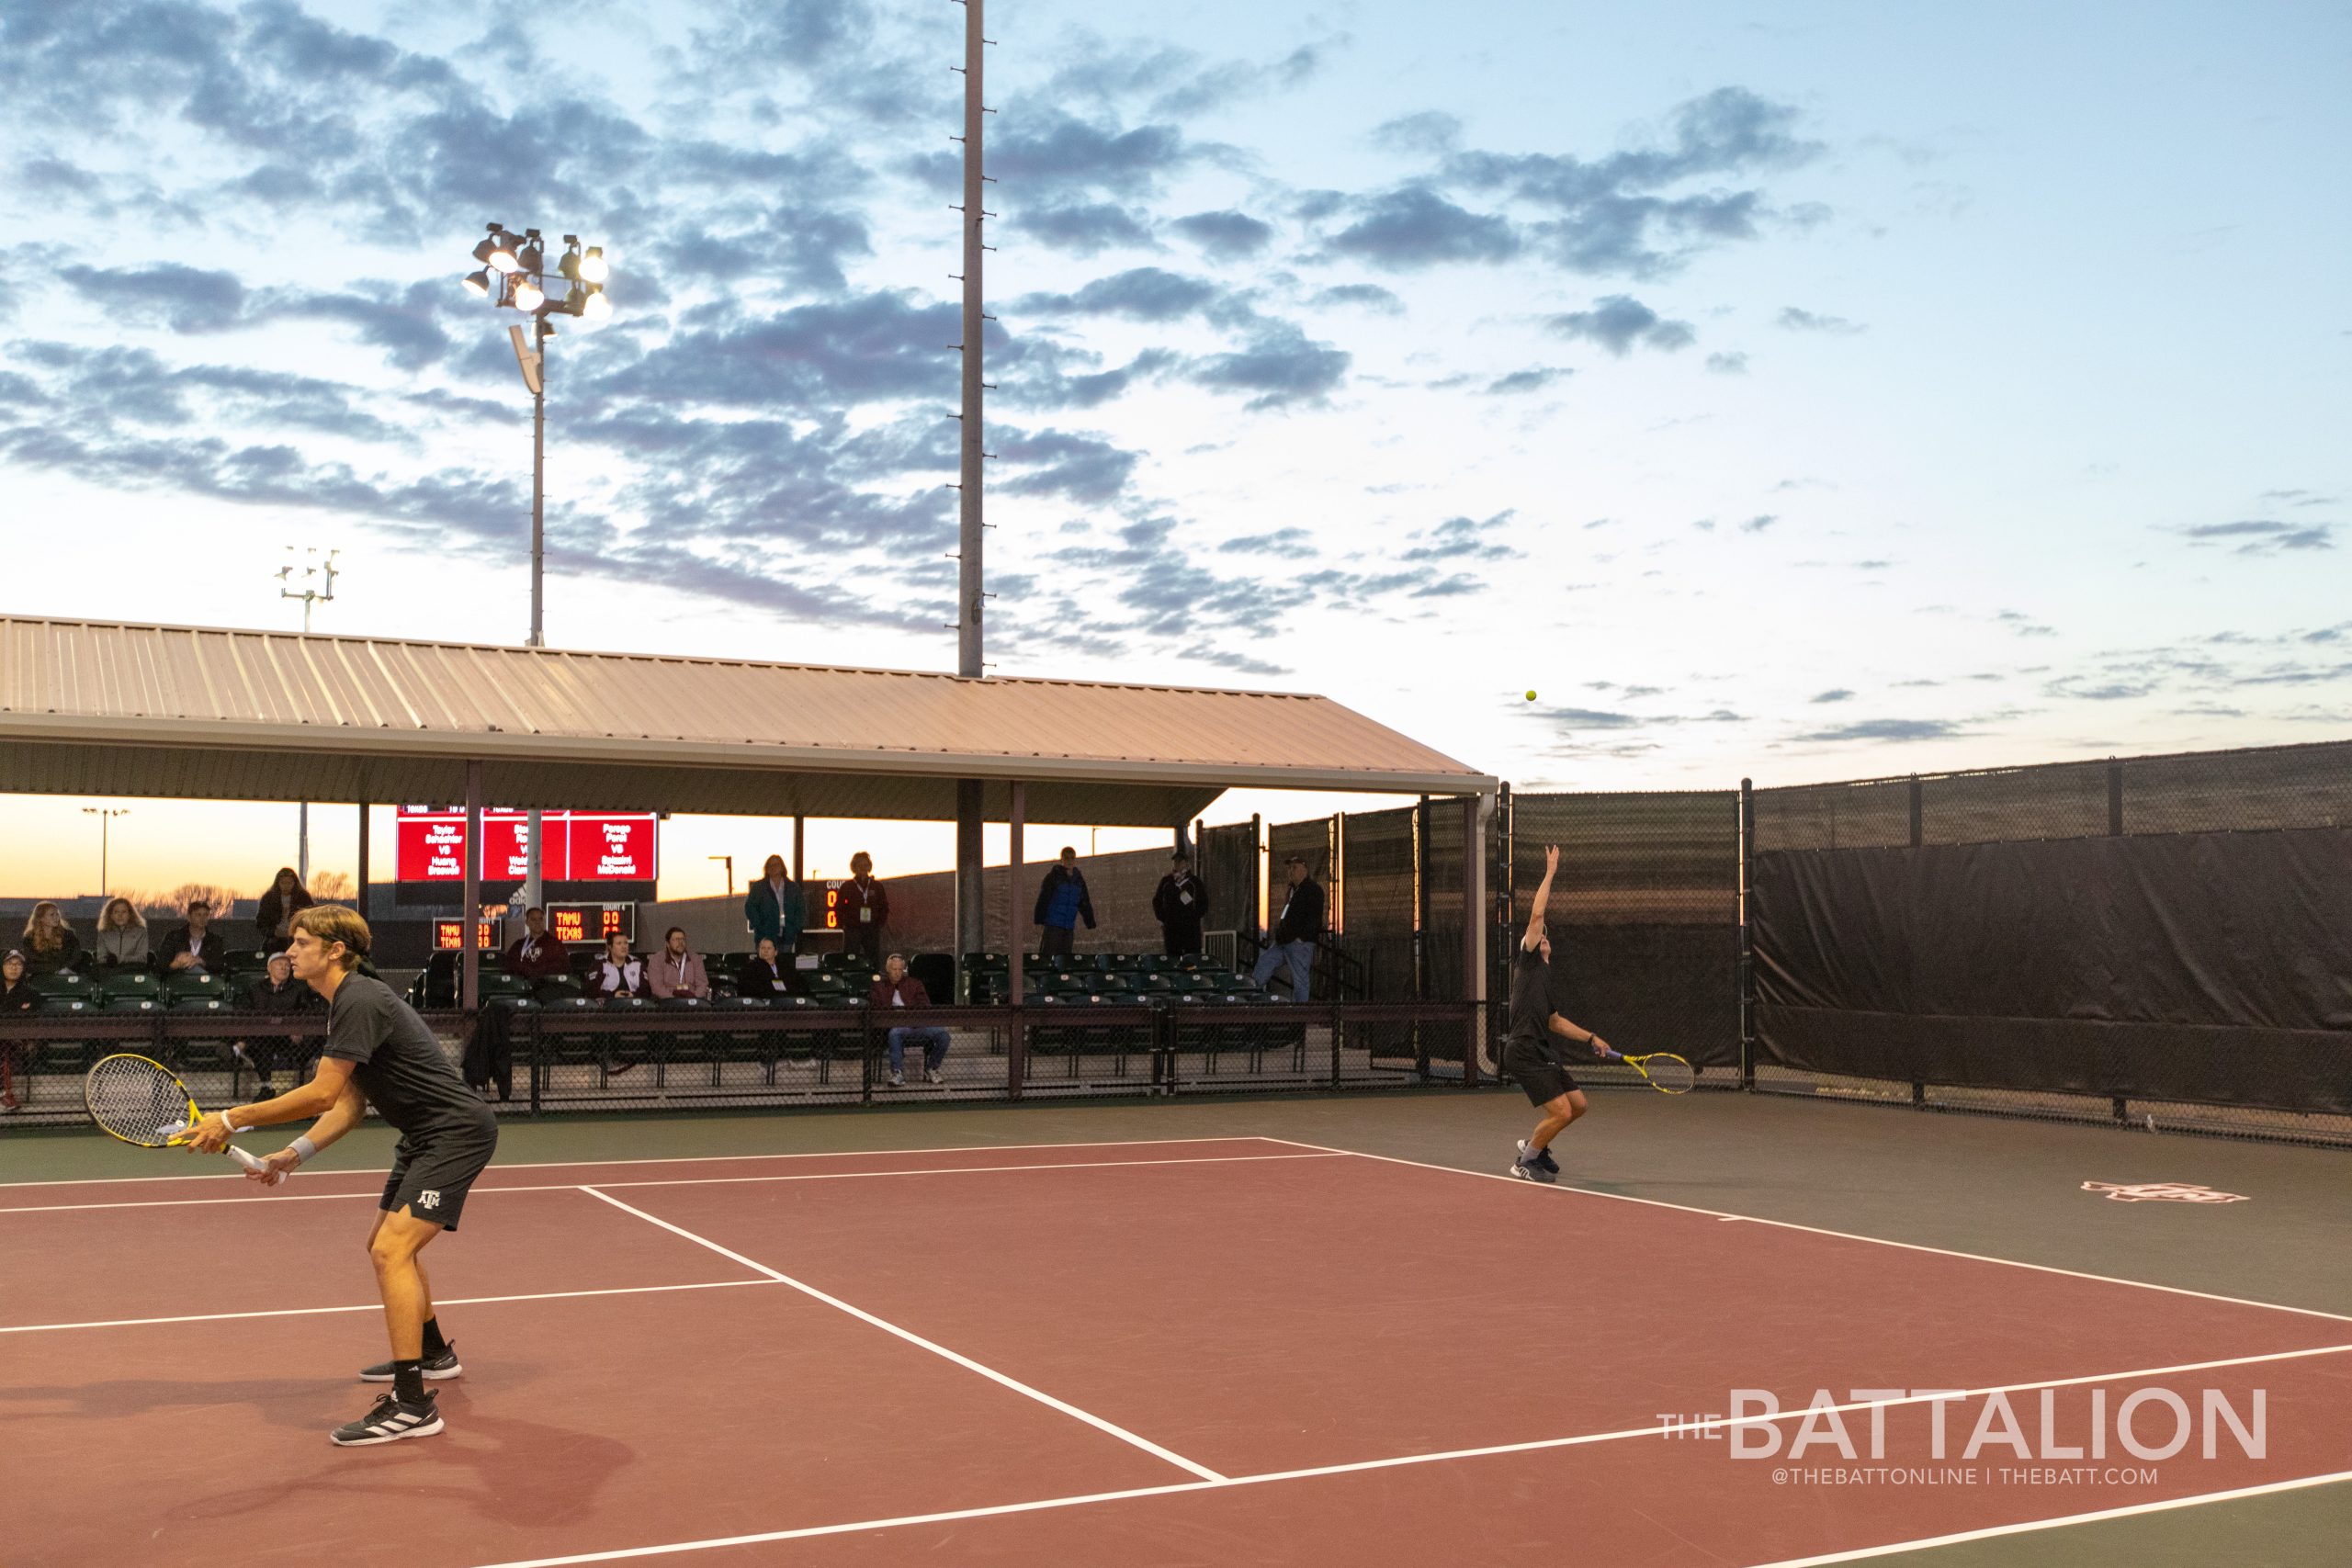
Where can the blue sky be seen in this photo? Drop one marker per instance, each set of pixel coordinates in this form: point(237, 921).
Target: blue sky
point(1799, 391)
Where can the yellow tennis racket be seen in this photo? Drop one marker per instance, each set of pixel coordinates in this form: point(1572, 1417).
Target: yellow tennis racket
point(141, 1101)
point(1662, 1070)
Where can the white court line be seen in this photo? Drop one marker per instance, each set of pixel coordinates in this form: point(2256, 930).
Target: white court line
point(1587, 1440)
point(379, 1307)
point(695, 1159)
point(1818, 1230)
point(1015, 1384)
point(671, 1181)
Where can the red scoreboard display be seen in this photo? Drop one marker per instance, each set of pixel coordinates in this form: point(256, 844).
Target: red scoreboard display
point(582, 846)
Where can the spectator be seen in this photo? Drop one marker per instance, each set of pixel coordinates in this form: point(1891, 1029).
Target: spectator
point(675, 971)
point(618, 974)
point(17, 994)
point(49, 945)
point(1181, 904)
point(287, 898)
point(899, 991)
point(772, 910)
point(865, 909)
point(535, 955)
point(1296, 932)
point(279, 993)
point(1062, 902)
point(768, 975)
point(194, 947)
point(122, 936)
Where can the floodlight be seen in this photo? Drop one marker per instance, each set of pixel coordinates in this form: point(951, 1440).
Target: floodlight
point(527, 296)
point(478, 282)
point(596, 307)
point(592, 266)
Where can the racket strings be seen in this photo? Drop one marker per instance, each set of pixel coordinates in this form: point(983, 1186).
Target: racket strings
point(1671, 1073)
point(136, 1100)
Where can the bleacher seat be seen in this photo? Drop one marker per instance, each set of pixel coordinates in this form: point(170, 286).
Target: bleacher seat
point(65, 985)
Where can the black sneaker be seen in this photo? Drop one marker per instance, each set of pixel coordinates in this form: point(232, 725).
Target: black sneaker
point(443, 1365)
point(1541, 1158)
point(389, 1422)
point(1526, 1171)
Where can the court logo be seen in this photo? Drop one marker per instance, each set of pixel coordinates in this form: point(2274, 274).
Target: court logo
point(2162, 1192)
point(429, 1199)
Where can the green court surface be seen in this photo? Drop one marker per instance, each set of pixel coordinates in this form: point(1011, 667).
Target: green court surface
point(2002, 1188)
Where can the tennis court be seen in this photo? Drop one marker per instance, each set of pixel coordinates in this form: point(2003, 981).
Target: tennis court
point(1198, 1347)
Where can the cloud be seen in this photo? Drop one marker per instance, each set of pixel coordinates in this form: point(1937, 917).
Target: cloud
point(1140, 293)
point(2264, 537)
point(1618, 323)
point(1084, 228)
point(184, 299)
point(1465, 538)
point(1728, 363)
point(1890, 730)
point(1801, 320)
point(1836, 694)
point(1227, 235)
point(1413, 228)
point(1757, 525)
point(1369, 296)
point(1282, 366)
point(1531, 380)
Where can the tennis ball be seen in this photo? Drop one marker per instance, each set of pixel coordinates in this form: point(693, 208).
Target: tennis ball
point(1531, 696)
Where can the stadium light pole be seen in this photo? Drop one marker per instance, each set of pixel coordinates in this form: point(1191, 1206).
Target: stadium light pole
point(288, 576)
point(971, 894)
point(514, 275)
point(106, 816)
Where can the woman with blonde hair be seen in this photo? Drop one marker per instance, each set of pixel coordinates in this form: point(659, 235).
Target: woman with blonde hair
point(49, 945)
point(122, 936)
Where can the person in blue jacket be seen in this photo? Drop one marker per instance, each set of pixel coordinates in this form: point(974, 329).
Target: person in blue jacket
point(1062, 902)
point(773, 907)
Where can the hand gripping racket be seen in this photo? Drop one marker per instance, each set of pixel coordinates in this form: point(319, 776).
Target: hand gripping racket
point(1662, 1070)
point(143, 1101)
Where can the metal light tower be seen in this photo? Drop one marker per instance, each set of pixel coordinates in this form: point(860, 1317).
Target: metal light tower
point(971, 908)
point(304, 572)
point(514, 276)
point(106, 816)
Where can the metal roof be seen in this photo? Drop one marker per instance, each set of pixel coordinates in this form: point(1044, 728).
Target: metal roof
point(106, 708)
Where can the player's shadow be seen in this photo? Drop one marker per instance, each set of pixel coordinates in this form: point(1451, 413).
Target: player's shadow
point(526, 1473)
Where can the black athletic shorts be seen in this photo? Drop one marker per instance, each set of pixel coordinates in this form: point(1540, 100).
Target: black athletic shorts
point(1532, 1066)
point(432, 1181)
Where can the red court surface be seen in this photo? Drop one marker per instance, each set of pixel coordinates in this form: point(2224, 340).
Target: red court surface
point(1213, 1352)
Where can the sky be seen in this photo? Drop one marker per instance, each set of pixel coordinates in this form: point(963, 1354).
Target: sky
point(1796, 393)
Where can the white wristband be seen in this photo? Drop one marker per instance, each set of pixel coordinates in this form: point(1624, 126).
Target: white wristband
point(303, 1150)
point(233, 1127)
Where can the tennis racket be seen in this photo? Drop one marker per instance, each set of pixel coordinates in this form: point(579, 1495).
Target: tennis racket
point(1662, 1070)
point(141, 1101)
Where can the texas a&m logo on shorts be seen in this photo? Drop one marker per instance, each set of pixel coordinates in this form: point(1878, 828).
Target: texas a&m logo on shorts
point(429, 1199)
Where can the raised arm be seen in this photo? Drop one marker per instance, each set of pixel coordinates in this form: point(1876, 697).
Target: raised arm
point(1535, 935)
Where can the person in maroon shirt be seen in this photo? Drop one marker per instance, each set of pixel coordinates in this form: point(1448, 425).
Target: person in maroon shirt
point(898, 992)
point(536, 955)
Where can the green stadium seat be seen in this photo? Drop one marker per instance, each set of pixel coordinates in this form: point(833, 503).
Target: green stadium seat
point(66, 985)
point(188, 983)
point(127, 1003)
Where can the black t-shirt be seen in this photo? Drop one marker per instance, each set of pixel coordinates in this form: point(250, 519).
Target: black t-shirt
point(1531, 997)
point(399, 1066)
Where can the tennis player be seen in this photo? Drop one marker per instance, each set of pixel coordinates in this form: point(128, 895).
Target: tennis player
point(378, 1051)
point(1529, 1055)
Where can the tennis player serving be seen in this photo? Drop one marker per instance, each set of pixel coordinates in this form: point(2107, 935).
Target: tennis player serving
point(1528, 1056)
point(378, 1051)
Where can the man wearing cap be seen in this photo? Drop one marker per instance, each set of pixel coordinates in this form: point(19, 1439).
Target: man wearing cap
point(1180, 906)
point(1296, 931)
